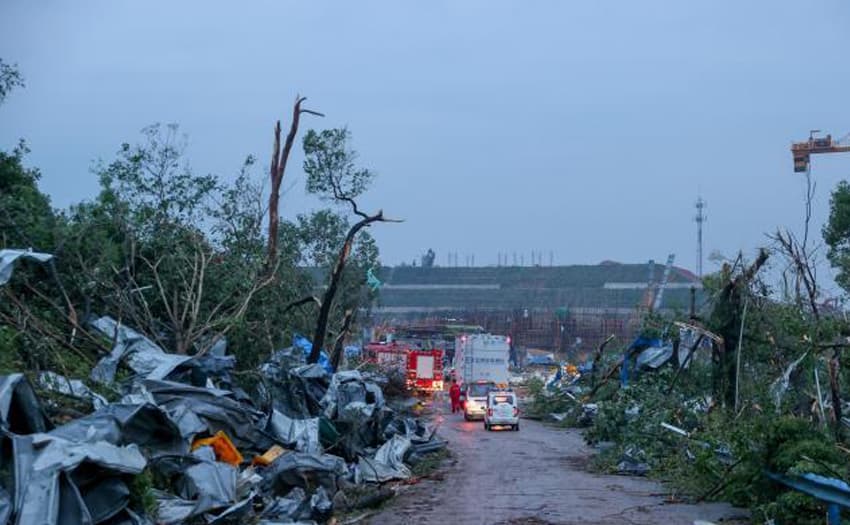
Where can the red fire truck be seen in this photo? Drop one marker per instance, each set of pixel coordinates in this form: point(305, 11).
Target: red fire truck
point(423, 368)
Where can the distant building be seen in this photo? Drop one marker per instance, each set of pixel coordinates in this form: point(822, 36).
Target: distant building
point(560, 308)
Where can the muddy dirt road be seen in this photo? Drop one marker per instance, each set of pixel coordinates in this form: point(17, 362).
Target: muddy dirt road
point(536, 476)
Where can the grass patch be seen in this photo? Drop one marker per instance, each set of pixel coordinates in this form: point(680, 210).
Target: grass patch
point(141, 494)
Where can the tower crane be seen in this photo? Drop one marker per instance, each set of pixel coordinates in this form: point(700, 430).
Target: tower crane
point(801, 151)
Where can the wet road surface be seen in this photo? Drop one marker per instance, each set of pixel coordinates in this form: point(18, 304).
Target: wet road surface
point(536, 476)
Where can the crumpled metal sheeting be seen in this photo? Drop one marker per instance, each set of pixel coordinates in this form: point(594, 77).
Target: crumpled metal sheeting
point(350, 398)
point(146, 426)
point(370, 471)
point(216, 409)
point(171, 509)
point(8, 258)
point(299, 522)
point(409, 427)
point(297, 392)
point(20, 409)
point(70, 387)
point(294, 506)
point(5, 505)
point(128, 517)
point(201, 370)
point(211, 483)
point(201, 483)
point(46, 490)
point(356, 438)
point(142, 355)
point(387, 464)
point(104, 497)
point(654, 357)
point(321, 505)
point(418, 451)
point(163, 417)
point(298, 469)
point(235, 514)
point(298, 507)
point(302, 434)
point(284, 359)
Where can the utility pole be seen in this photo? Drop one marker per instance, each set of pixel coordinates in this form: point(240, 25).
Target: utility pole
point(700, 220)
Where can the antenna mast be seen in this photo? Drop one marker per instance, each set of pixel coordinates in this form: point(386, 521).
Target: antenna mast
point(700, 219)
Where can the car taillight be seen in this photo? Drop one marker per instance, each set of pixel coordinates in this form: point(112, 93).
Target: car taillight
point(516, 411)
point(490, 412)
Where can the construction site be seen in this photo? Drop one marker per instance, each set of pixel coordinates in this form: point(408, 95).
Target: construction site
point(566, 309)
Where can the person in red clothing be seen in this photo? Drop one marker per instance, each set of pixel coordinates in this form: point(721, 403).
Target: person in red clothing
point(454, 395)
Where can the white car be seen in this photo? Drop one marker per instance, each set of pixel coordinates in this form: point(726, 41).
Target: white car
point(502, 410)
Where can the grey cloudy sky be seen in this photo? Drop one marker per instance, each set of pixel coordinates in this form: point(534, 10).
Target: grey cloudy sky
point(585, 128)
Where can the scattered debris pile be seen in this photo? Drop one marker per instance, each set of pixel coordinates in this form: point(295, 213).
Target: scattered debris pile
point(184, 444)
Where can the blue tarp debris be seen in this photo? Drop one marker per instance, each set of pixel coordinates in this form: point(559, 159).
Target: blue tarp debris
point(638, 345)
point(299, 341)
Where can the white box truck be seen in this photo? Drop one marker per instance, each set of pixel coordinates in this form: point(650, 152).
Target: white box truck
point(481, 364)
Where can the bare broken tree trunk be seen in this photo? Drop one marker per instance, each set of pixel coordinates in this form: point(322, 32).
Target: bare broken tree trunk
point(336, 355)
point(728, 313)
point(597, 358)
point(277, 171)
point(835, 388)
point(336, 278)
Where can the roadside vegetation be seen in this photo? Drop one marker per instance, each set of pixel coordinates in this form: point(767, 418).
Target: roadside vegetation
point(769, 396)
point(186, 259)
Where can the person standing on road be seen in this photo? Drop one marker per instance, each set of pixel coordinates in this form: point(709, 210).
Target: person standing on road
point(454, 396)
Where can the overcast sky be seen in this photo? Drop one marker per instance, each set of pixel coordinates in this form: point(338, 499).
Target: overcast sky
point(583, 128)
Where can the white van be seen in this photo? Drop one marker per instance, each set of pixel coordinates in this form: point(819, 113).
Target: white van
point(502, 410)
point(474, 399)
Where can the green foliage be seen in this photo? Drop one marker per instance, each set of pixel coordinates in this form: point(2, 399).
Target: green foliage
point(836, 233)
point(793, 508)
point(543, 402)
point(10, 360)
point(177, 256)
point(330, 166)
point(10, 78)
point(725, 456)
point(142, 497)
point(26, 218)
point(156, 184)
point(333, 175)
